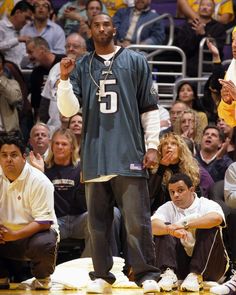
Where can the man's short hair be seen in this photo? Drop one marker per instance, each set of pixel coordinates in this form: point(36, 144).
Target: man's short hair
point(48, 3)
point(220, 132)
point(23, 6)
point(37, 125)
point(89, 1)
point(181, 176)
point(38, 41)
point(13, 137)
point(102, 13)
point(79, 37)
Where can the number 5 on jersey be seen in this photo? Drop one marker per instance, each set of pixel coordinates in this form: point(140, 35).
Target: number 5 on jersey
point(108, 99)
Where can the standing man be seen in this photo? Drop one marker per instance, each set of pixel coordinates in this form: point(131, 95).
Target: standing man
point(113, 85)
point(28, 225)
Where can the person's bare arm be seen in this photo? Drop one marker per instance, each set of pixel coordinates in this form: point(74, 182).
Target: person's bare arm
point(208, 220)
point(214, 51)
point(36, 161)
point(228, 91)
point(186, 10)
point(27, 231)
point(159, 228)
point(224, 18)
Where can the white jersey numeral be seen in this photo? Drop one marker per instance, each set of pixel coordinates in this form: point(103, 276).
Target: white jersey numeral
point(109, 99)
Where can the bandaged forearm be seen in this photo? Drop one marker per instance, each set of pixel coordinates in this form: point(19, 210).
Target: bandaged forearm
point(151, 126)
point(67, 102)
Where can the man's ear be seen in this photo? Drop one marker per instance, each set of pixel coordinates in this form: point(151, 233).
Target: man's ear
point(114, 31)
point(192, 189)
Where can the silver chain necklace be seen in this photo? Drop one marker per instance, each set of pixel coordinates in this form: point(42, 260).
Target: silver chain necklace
point(100, 91)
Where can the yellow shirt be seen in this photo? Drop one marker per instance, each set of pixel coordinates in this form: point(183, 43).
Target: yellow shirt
point(224, 8)
point(113, 5)
point(227, 112)
point(6, 7)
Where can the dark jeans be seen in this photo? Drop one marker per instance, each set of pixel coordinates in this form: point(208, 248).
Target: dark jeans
point(131, 197)
point(40, 249)
point(209, 256)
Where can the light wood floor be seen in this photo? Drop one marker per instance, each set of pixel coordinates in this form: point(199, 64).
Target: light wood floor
point(83, 292)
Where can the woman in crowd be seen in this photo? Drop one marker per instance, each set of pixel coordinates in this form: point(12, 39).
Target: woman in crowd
point(230, 133)
point(188, 125)
point(187, 93)
point(75, 125)
point(173, 156)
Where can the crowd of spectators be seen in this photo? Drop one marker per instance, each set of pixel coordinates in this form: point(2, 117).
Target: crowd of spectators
point(196, 142)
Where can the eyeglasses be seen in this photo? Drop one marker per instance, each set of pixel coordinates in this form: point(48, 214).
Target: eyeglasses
point(74, 46)
point(45, 5)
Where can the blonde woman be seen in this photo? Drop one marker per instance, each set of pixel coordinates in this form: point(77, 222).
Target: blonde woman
point(174, 156)
point(188, 125)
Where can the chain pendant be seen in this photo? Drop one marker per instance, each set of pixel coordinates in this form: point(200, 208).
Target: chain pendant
point(100, 88)
point(100, 94)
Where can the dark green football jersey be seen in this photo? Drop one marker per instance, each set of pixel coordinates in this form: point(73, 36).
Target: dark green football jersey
point(112, 137)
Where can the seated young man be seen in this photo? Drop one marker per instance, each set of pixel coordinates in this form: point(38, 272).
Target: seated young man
point(28, 224)
point(189, 243)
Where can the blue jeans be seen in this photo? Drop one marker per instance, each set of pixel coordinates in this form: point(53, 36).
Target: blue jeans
point(76, 227)
point(132, 198)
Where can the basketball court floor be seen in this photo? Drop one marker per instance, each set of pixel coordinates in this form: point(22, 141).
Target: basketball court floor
point(83, 292)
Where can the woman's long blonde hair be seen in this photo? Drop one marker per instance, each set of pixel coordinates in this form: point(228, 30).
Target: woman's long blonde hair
point(197, 126)
point(75, 149)
point(187, 163)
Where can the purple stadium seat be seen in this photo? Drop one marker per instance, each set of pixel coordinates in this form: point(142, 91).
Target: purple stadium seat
point(164, 7)
point(227, 50)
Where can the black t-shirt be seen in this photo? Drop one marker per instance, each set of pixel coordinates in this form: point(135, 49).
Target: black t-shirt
point(38, 79)
point(69, 194)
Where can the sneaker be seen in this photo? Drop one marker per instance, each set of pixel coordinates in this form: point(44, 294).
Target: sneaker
point(41, 284)
point(4, 283)
point(150, 286)
point(228, 287)
point(192, 283)
point(99, 286)
point(169, 280)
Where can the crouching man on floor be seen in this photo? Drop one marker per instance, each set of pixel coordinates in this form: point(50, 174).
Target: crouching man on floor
point(189, 243)
point(28, 225)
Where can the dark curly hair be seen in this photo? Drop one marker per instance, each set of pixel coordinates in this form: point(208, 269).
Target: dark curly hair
point(13, 137)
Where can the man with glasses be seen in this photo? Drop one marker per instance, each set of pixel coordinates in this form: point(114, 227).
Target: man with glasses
point(44, 27)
